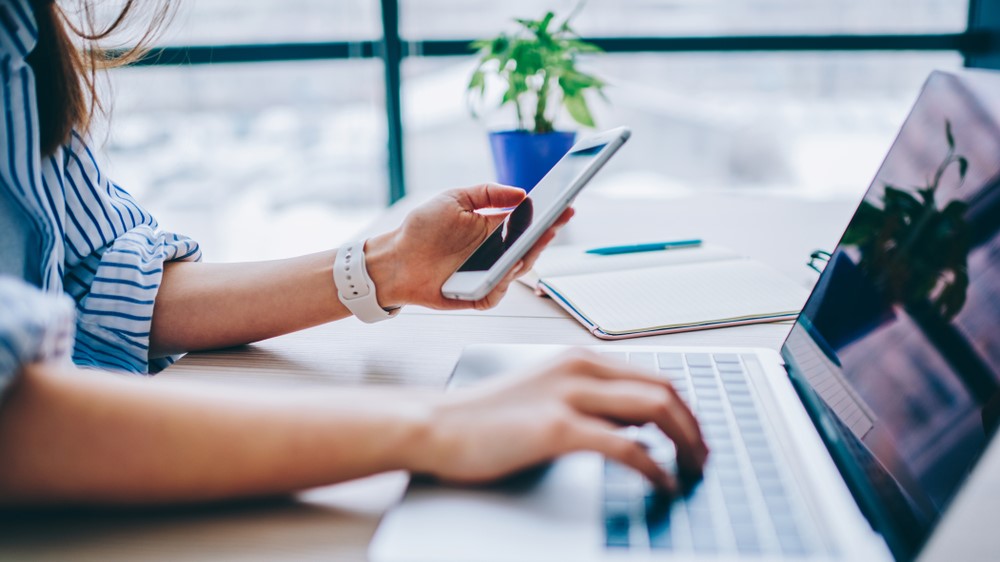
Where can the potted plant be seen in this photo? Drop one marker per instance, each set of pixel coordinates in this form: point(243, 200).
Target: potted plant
point(914, 249)
point(537, 65)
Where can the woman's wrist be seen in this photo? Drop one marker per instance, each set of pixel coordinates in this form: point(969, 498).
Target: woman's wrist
point(383, 268)
point(418, 447)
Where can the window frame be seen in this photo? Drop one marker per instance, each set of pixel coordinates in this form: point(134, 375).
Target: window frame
point(979, 46)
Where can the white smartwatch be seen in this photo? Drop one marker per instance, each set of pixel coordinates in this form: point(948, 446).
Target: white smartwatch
point(355, 288)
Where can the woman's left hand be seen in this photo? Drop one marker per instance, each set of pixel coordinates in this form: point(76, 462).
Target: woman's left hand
point(410, 264)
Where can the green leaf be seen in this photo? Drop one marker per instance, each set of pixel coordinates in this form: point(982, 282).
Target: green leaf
point(477, 81)
point(898, 199)
point(500, 44)
point(543, 26)
point(963, 166)
point(948, 135)
point(537, 63)
point(480, 44)
point(578, 110)
point(864, 225)
point(956, 210)
point(582, 46)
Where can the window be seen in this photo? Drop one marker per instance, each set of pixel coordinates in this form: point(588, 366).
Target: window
point(423, 19)
point(303, 130)
point(242, 156)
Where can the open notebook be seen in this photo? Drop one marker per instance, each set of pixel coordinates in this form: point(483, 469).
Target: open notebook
point(630, 295)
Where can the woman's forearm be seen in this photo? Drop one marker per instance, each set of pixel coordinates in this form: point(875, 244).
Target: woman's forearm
point(71, 436)
point(205, 305)
point(208, 305)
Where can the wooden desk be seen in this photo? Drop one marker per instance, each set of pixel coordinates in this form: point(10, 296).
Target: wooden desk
point(417, 348)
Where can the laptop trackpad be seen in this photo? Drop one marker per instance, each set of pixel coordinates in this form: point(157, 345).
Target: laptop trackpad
point(552, 512)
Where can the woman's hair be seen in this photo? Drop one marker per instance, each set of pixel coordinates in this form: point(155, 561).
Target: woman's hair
point(70, 53)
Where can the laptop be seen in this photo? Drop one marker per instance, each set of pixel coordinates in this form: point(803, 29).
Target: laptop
point(849, 444)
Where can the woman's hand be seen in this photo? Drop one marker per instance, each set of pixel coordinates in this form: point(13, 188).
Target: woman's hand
point(579, 402)
point(410, 264)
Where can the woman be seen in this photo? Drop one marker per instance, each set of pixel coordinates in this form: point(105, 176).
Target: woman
point(137, 296)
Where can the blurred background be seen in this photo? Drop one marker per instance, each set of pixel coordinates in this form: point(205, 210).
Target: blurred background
point(253, 157)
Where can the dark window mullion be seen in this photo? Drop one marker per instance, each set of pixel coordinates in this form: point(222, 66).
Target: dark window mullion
point(984, 20)
point(392, 56)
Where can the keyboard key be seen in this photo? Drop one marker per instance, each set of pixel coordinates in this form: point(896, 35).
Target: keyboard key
point(726, 358)
point(658, 508)
point(703, 539)
point(740, 513)
point(701, 384)
point(730, 368)
point(733, 378)
point(741, 399)
point(616, 355)
point(710, 394)
point(746, 539)
point(771, 489)
point(670, 360)
point(754, 440)
point(616, 471)
point(737, 391)
point(702, 373)
point(645, 361)
point(716, 419)
point(675, 374)
point(792, 544)
point(706, 406)
point(617, 524)
point(698, 360)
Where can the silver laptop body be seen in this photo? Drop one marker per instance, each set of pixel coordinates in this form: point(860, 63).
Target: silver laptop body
point(850, 444)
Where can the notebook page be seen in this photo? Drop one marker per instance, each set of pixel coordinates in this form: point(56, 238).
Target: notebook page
point(572, 260)
point(620, 302)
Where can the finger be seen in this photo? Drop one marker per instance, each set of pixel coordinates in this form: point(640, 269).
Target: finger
point(565, 216)
point(637, 403)
point(602, 436)
point(498, 292)
point(532, 255)
point(488, 195)
point(493, 220)
point(655, 400)
point(490, 300)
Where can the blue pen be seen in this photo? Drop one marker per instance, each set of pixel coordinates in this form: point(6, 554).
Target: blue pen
point(651, 247)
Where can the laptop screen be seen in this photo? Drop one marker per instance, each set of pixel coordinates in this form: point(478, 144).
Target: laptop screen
point(897, 352)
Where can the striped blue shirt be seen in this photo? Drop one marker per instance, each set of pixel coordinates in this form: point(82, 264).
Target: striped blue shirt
point(34, 327)
point(95, 242)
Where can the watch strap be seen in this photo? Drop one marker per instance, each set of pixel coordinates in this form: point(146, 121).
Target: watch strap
point(355, 287)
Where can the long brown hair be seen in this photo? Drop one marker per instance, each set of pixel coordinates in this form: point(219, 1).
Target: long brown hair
point(66, 68)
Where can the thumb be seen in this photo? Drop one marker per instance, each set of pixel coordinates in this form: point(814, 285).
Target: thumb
point(489, 195)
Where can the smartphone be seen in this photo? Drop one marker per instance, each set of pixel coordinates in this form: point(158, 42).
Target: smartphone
point(526, 223)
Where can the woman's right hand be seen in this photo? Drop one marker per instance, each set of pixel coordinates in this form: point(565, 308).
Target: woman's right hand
point(578, 402)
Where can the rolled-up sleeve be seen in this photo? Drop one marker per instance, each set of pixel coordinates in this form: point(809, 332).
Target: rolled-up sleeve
point(34, 326)
point(117, 253)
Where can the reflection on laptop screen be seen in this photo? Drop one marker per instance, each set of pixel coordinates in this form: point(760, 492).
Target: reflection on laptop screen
point(900, 340)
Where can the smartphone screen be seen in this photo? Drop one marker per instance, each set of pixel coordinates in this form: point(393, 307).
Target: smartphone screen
point(540, 201)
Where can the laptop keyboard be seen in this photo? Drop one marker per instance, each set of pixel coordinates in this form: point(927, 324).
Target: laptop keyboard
point(742, 505)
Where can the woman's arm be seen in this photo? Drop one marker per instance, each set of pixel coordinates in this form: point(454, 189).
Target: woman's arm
point(204, 306)
point(84, 437)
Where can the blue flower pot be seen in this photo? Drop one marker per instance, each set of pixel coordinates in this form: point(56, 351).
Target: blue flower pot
point(523, 158)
